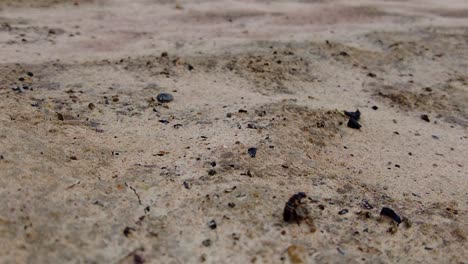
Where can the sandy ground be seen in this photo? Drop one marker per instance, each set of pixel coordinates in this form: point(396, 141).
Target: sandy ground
point(94, 170)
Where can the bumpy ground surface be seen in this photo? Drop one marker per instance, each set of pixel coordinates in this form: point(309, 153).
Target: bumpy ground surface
point(94, 170)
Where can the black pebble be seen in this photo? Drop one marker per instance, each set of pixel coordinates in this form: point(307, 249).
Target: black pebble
point(354, 115)
point(30, 74)
point(342, 212)
point(213, 163)
point(252, 152)
point(390, 213)
point(344, 53)
point(187, 185)
point(165, 98)
point(425, 118)
point(212, 224)
point(353, 123)
point(232, 205)
point(372, 75)
point(211, 172)
point(375, 107)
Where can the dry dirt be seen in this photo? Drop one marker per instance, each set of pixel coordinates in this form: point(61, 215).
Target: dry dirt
point(94, 170)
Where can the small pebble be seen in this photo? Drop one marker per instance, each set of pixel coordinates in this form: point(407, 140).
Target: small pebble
point(375, 107)
point(252, 152)
point(425, 118)
point(342, 212)
point(212, 224)
point(165, 98)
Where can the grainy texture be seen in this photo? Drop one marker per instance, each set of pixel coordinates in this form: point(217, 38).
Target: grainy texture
point(94, 170)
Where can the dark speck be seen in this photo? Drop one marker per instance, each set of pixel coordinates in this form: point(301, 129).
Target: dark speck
point(252, 152)
point(375, 107)
point(390, 213)
point(212, 224)
point(128, 230)
point(342, 212)
point(207, 242)
point(425, 118)
point(165, 98)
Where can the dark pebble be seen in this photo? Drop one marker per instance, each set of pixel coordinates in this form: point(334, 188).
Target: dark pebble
point(212, 172)
point(375, 107)
point(21, 79)
point(207, 242)
point(212, 224)
point(30, 74)
point(425, 118)
point(390, 213)
point(342, 212)
point(190, 67)
point(165, 98)
point(187, 185)
point(164, 121)
point(252, 152)
point(372, 75)
point(354, 115)
point(228, 115)
point(352, 123)
point(213, 163)
point(232, 205)
point(344, 53)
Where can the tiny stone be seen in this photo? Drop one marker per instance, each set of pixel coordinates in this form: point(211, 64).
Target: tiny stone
point(252, 152)
point(425, 118)
point(213, 163)
point(232, 205)
point(211, 172)
point(342, 212)
point(372, 75)
point(228, 115)
point(187, 185)
point(375, 107)
point(212, 224)
point(165, 98)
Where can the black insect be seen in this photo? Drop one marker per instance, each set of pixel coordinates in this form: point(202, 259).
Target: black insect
point(294, 210)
